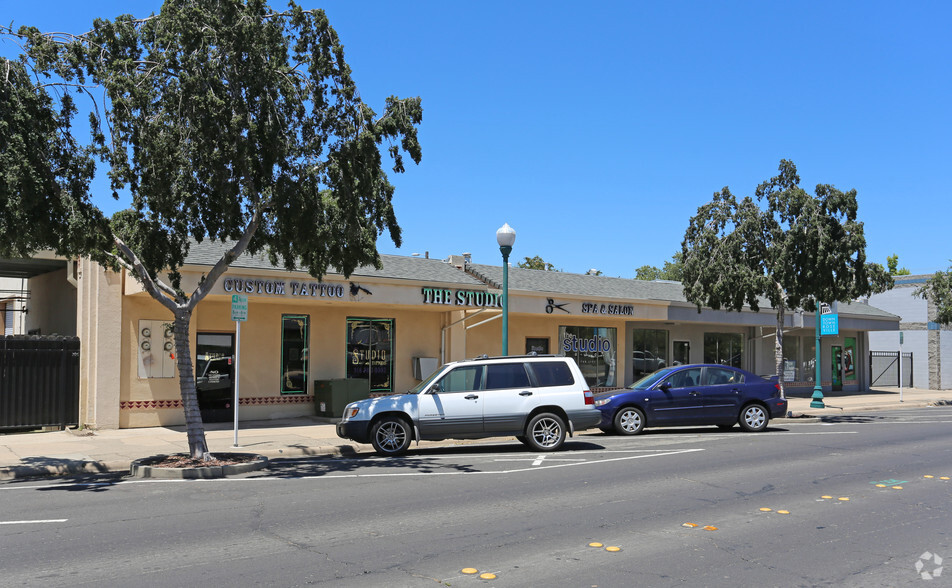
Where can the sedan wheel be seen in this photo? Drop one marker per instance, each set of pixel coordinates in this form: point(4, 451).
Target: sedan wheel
point(629, 421)
point(753, 418)
point(545, 432)
point(390, 436)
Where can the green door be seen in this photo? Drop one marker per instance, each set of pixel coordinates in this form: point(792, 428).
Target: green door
point(837, 378)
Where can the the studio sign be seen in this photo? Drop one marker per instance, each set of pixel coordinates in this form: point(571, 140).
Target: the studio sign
point(462, 298)
point(573, 344)
point(282, 288)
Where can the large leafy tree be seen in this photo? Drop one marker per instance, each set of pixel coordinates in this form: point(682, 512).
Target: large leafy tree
point(537, 263)
point(785, 245)
point(671, 270)
point(938, 291)
point(224, 120)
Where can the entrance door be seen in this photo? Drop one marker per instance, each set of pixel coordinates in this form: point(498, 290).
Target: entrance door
point(837, 378)
point(682, 352)
point(214, 376)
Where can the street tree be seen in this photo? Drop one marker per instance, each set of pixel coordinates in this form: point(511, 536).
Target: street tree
point(537, 263)
point(672, 270)
point(222, 120)
point(892, 263)
point(791, 248)
point(938, 291)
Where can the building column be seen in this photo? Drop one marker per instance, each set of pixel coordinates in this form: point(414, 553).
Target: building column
point(99, 326)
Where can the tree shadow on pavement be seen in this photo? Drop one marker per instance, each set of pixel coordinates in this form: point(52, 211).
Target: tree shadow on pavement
point(425, 460)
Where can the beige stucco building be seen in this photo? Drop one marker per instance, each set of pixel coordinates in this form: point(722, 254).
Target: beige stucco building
point(381, 331)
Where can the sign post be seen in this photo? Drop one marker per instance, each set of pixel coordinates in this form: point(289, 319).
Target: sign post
point(239, 314)
point(900, 366)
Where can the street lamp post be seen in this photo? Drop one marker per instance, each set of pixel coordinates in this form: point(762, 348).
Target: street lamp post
point(506, 237)
point(817, 401)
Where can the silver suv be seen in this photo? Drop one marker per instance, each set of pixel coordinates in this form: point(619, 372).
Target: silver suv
point(539, 399)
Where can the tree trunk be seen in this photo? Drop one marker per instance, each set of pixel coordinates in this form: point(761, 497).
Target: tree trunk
point(195, 428)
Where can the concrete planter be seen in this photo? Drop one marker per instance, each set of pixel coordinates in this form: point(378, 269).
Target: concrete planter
point(144, 468)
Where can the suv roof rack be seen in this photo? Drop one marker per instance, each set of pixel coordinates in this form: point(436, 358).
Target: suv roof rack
point(533, 354)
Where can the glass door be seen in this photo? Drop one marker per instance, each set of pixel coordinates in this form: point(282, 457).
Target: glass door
point(837, 377)
point(682, 352)
point(214, 376)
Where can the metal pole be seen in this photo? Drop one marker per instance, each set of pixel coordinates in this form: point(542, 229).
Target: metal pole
point(237, 379)
point(817, 387)
point(506, 250)
point(900, 366)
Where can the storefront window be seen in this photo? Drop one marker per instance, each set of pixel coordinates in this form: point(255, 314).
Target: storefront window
point(370, 352)
point(295, 331)
point(593, 349)
point(809, 359)
point(649, 351)
point(791, 359)
point(723, 348)
point(849, 360)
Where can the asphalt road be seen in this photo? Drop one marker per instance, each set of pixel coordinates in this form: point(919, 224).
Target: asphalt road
point(858, 501)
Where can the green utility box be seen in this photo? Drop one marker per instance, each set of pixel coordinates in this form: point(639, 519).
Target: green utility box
point(331, 396)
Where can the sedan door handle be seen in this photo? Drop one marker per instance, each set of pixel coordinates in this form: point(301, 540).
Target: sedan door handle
point(525, 393)
point(471, 397)
point(694, 393)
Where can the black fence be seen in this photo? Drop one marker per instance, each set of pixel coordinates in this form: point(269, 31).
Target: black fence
point(884, 369)
point(39, 382)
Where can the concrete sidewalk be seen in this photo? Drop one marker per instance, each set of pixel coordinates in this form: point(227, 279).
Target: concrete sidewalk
point(25, 455)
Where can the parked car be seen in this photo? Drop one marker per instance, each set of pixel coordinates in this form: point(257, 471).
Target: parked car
point(538, 399)
point(694, 394)
point(645, 362)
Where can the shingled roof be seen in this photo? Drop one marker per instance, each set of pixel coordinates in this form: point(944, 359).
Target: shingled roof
point(395, 267)
point(438, 271)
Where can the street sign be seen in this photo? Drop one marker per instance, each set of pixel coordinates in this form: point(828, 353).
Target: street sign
point(239, 307)
point(830, 324)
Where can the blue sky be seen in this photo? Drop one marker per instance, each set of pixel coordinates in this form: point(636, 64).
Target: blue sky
point(596, 130)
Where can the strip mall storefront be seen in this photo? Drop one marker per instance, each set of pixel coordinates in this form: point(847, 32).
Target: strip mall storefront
point(384, 331)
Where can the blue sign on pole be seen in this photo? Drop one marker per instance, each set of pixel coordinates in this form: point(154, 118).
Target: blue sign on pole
point(830, 324)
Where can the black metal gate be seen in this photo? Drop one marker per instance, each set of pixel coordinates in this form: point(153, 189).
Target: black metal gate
point(884, 369)
point(39, 382)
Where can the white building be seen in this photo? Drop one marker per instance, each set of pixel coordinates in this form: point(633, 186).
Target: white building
point(929, 342)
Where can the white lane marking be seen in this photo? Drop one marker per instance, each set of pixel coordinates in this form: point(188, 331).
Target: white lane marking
point(33, 522)
point(538, 460)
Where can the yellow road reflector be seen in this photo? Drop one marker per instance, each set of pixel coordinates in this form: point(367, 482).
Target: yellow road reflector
point(595, 544)
point(783, 511)
point(880, 485)
point(765, 509)
point(710, 528)
point(487, 576)
point(928, 476)
point(692, 525)
point(612, 548)
point(897, 487)
point(844, 498)
point(826, 497)
point(943, 477)
point(470, 571)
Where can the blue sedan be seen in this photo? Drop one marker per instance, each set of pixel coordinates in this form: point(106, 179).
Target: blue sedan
point(686, 395)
